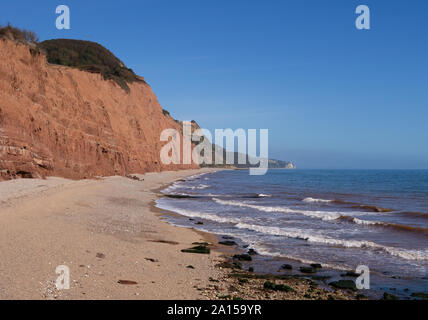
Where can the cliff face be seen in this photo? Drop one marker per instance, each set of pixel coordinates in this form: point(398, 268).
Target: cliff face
point(61, 121)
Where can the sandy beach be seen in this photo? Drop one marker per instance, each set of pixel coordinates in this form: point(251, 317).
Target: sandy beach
point(117, 245)
point(106, 232)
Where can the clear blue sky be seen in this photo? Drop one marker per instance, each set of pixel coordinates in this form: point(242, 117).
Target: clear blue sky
point(332, 96)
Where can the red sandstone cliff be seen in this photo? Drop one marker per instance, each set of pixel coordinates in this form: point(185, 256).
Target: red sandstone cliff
point(61, 121)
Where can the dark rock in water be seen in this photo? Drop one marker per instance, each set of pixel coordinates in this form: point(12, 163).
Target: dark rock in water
point(316, 265)
point(245, 246)
point(237, 265)
point(307, 270)
point(344, 284)
point(197, 249)
point(388, 296)
point(228, 243)
point(320, 278)
point(243, 257)
point(250, 269)
point(287, 267)
point(234, 265)
point(178, 196)
point(277, 287)
point(350, 274)
point(191, 219)
point(228, 237)
point(420, 295)
point(199, 223)
point(252, 252)
point(127, 282)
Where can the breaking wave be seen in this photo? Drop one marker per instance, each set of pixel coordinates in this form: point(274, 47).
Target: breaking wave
point(312, 200)
point(302, 235)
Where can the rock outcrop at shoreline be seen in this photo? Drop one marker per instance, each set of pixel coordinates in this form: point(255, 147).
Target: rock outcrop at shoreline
point(62, 121)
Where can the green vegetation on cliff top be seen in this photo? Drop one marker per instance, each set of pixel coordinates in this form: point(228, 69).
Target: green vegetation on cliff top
point(84, 55)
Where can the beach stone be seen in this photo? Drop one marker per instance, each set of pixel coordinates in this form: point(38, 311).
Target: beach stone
point(100, 255)
point(243, 257)
point(420, 295)
point(151, 260)
point(127, 282)
point(287, 267)
point(250, 269)
point(307, 270)
point(388, 296)
point(197, 249)
point(350, 274)
point(228, 243)
point(252, 252)
point(344, 284)
point(320, 278)
point(277, 287)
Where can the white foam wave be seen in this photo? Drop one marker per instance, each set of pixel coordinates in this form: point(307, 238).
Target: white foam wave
point(262, 195)
point(314, 200)
point(198, 187)
point(323, 215)
point(316, 238)
point(261, 249)
point(199, 214)
point(299, 234)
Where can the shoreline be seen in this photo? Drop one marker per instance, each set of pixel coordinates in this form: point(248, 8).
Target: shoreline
point(235, 283)
point(106, 233)
point(118, 246)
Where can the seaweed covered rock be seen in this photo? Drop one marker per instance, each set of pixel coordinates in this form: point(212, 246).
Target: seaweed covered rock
point(308, 270)
point(242, 257)
point(197, 249)
point(277, 287)
point(344, 284)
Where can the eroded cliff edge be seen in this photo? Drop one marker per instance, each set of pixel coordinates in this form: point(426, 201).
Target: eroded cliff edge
point(60, 121)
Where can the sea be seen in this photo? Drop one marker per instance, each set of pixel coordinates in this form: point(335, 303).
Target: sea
point(340, 219)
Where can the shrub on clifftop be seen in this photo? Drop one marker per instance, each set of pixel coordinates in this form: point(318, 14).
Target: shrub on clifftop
point(20, 35)
point(91, 57)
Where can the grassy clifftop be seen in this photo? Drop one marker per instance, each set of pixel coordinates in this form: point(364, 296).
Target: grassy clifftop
point(89, 56)
point(85, 55)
